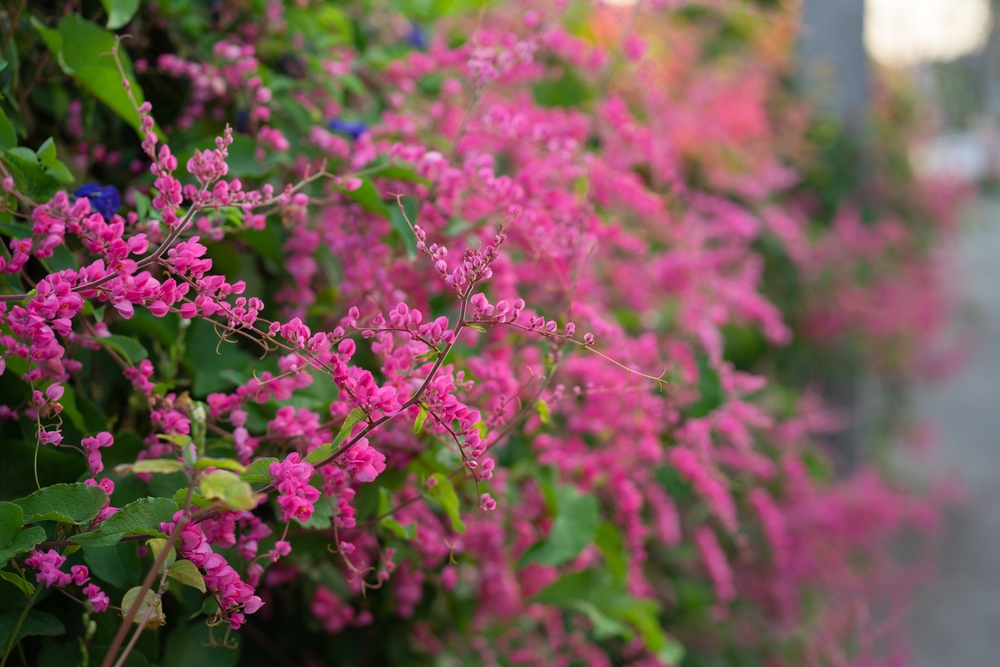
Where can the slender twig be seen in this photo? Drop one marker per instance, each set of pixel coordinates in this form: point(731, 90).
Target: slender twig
point(147, 583)
point(138, 631)
point(17, 627)
point(13, 26)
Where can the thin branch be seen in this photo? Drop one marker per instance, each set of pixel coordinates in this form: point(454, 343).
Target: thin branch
point(13, 26)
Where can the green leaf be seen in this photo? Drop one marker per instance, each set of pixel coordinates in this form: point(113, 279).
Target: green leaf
point(65, 503)
point(185, 572)
point(8, 137)
point(51, 37)
point(11, 521)
point(71, 412)
point(156, 545)
point(642, 614)
point(593, 585)
point(608, 539)
point(61, 173)
point(544, 413)
point(418, 425)
point(197, 499)
point(369, 198)
point(407, 532)
point(384, 500)
point(62, 257)
point(129, 348)
point(23, 541)
point(160, 466)
point(144, 207)
point(322, 516)
point(143, 517)
point(83, 50)
point(225, 464)
point(55, 464)
point(118, 565)
point(569, 91)
point(323, 451)
point(24, 153)
point(61, 654)
point(476, 327)
point(598, 589)
point(156, 617)
point(572, 530)
point(443, 492)
point(710, 391)
point(399, 173)
point(36, 624)
point(53, 167)
point(20, 582)
point(175, 439)
point(604, 627)
point(402, 227)
point(47, 152)
point(229, 488)
point(208, 357)
point(29, 176)
point(192, 645)
point(208, 607)
point(120, 12)
point(259, 471)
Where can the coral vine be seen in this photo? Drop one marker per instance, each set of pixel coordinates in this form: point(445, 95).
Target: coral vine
point(433, 339)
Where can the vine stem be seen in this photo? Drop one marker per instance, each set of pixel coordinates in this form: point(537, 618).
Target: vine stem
point(10, 33)
point(17, 628)
point(135, 635)
point(147, 583)
point(413, 400)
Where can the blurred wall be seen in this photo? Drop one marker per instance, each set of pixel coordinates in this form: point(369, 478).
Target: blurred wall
point(833, 64)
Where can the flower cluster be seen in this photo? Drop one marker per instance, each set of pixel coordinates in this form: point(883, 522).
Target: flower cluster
point(47, 571)
point(503, 348)
point(291, 478)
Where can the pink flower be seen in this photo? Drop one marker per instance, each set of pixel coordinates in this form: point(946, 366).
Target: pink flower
point(98, 598)
point(716, 564)
point(364, 461)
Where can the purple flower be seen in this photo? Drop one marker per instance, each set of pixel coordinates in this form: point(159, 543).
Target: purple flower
point(352, 128)
point(103, 199)
point(417, 37)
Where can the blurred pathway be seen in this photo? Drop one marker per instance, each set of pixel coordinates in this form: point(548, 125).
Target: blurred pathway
point(957, 619)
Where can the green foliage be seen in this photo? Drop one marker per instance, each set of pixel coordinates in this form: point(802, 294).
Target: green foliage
point(576, 520)
point(259, 470)
point(65, 503)
point(597, 595)
point(191, 645)
point(229, 488)
point(442, 492)
point(14, 539)
point(17, 474)
point(83, 50)
point(142, 517)
point(120, 12)
point(185, 572)
point(710, 391)
point(117, 565)
point(402, 216)
point(129, 348)
point(36, 623)
point(323, 451)
point(25, 587)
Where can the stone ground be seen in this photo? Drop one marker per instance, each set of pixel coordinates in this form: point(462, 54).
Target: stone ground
point(956, 622)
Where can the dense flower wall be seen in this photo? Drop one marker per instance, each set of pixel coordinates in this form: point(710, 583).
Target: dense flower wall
point(436, 333)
